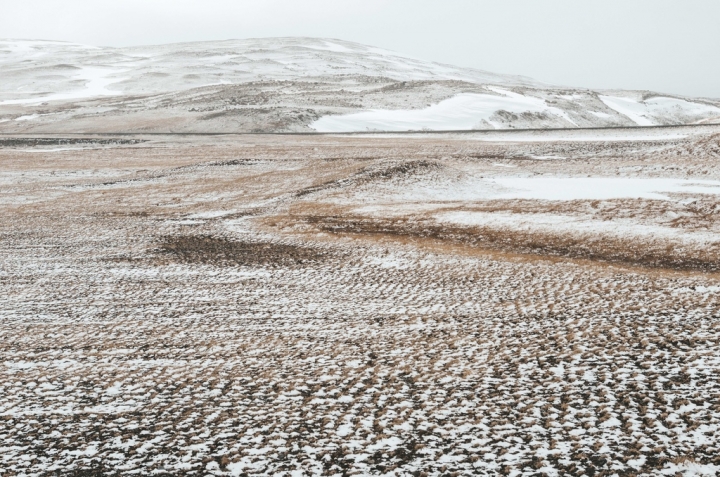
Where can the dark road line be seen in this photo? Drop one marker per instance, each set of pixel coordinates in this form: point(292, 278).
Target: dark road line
point(358, 133)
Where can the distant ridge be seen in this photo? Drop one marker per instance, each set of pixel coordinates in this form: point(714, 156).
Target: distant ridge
point(295, 85)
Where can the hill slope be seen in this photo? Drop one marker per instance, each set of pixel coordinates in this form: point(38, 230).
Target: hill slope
point(294, 84)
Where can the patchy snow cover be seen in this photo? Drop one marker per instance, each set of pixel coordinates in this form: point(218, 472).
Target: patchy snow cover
point(508, 135)
point(601, 188)
point(657, 110)
point(286, 84)
point(464, 111)
point(174, 67)
point(384, 358)
point(630, 108)
point(93, 82)
point(27, 117)
point(470, 187)
point(571, 225)
point(428, 190)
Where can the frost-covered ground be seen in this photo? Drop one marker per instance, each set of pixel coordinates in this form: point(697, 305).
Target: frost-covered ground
point(262, 305)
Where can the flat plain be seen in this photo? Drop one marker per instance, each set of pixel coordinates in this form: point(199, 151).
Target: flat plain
point(507, 303)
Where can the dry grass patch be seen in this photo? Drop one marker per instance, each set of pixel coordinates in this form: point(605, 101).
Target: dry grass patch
point(651, 254)
point(223, 251)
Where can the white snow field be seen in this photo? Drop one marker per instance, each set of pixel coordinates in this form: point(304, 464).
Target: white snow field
point(92, 82)
point(295, 85)
point(476, 111)
point(657, 110)
point(464, 111)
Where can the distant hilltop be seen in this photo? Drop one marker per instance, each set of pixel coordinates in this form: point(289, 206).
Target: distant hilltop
point(295, 85)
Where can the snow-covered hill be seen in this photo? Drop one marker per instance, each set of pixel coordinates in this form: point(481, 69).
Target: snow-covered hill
point(294, 84)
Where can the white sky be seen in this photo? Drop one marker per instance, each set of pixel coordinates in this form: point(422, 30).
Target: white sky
point(671, 46)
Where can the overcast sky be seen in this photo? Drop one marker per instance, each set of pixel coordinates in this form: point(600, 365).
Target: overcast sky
point(663, 45)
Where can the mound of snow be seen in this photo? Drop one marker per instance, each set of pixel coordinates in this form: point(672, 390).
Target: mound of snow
point(658, 110)
point(464, 111)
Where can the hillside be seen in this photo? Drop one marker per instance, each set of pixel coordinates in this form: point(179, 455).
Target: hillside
point(294, 85)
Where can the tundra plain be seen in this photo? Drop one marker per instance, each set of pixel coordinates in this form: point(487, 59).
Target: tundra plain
point(502, 303)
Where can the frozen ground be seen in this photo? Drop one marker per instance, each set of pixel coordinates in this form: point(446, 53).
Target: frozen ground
point(284, 305)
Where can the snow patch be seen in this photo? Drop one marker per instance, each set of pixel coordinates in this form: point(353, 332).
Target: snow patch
point(601, 188)
point(649, 112)
point(96, 82)
point(462, 112)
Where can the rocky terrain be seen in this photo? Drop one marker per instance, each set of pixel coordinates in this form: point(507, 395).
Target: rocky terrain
point(499, 303)
point(295, 85)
